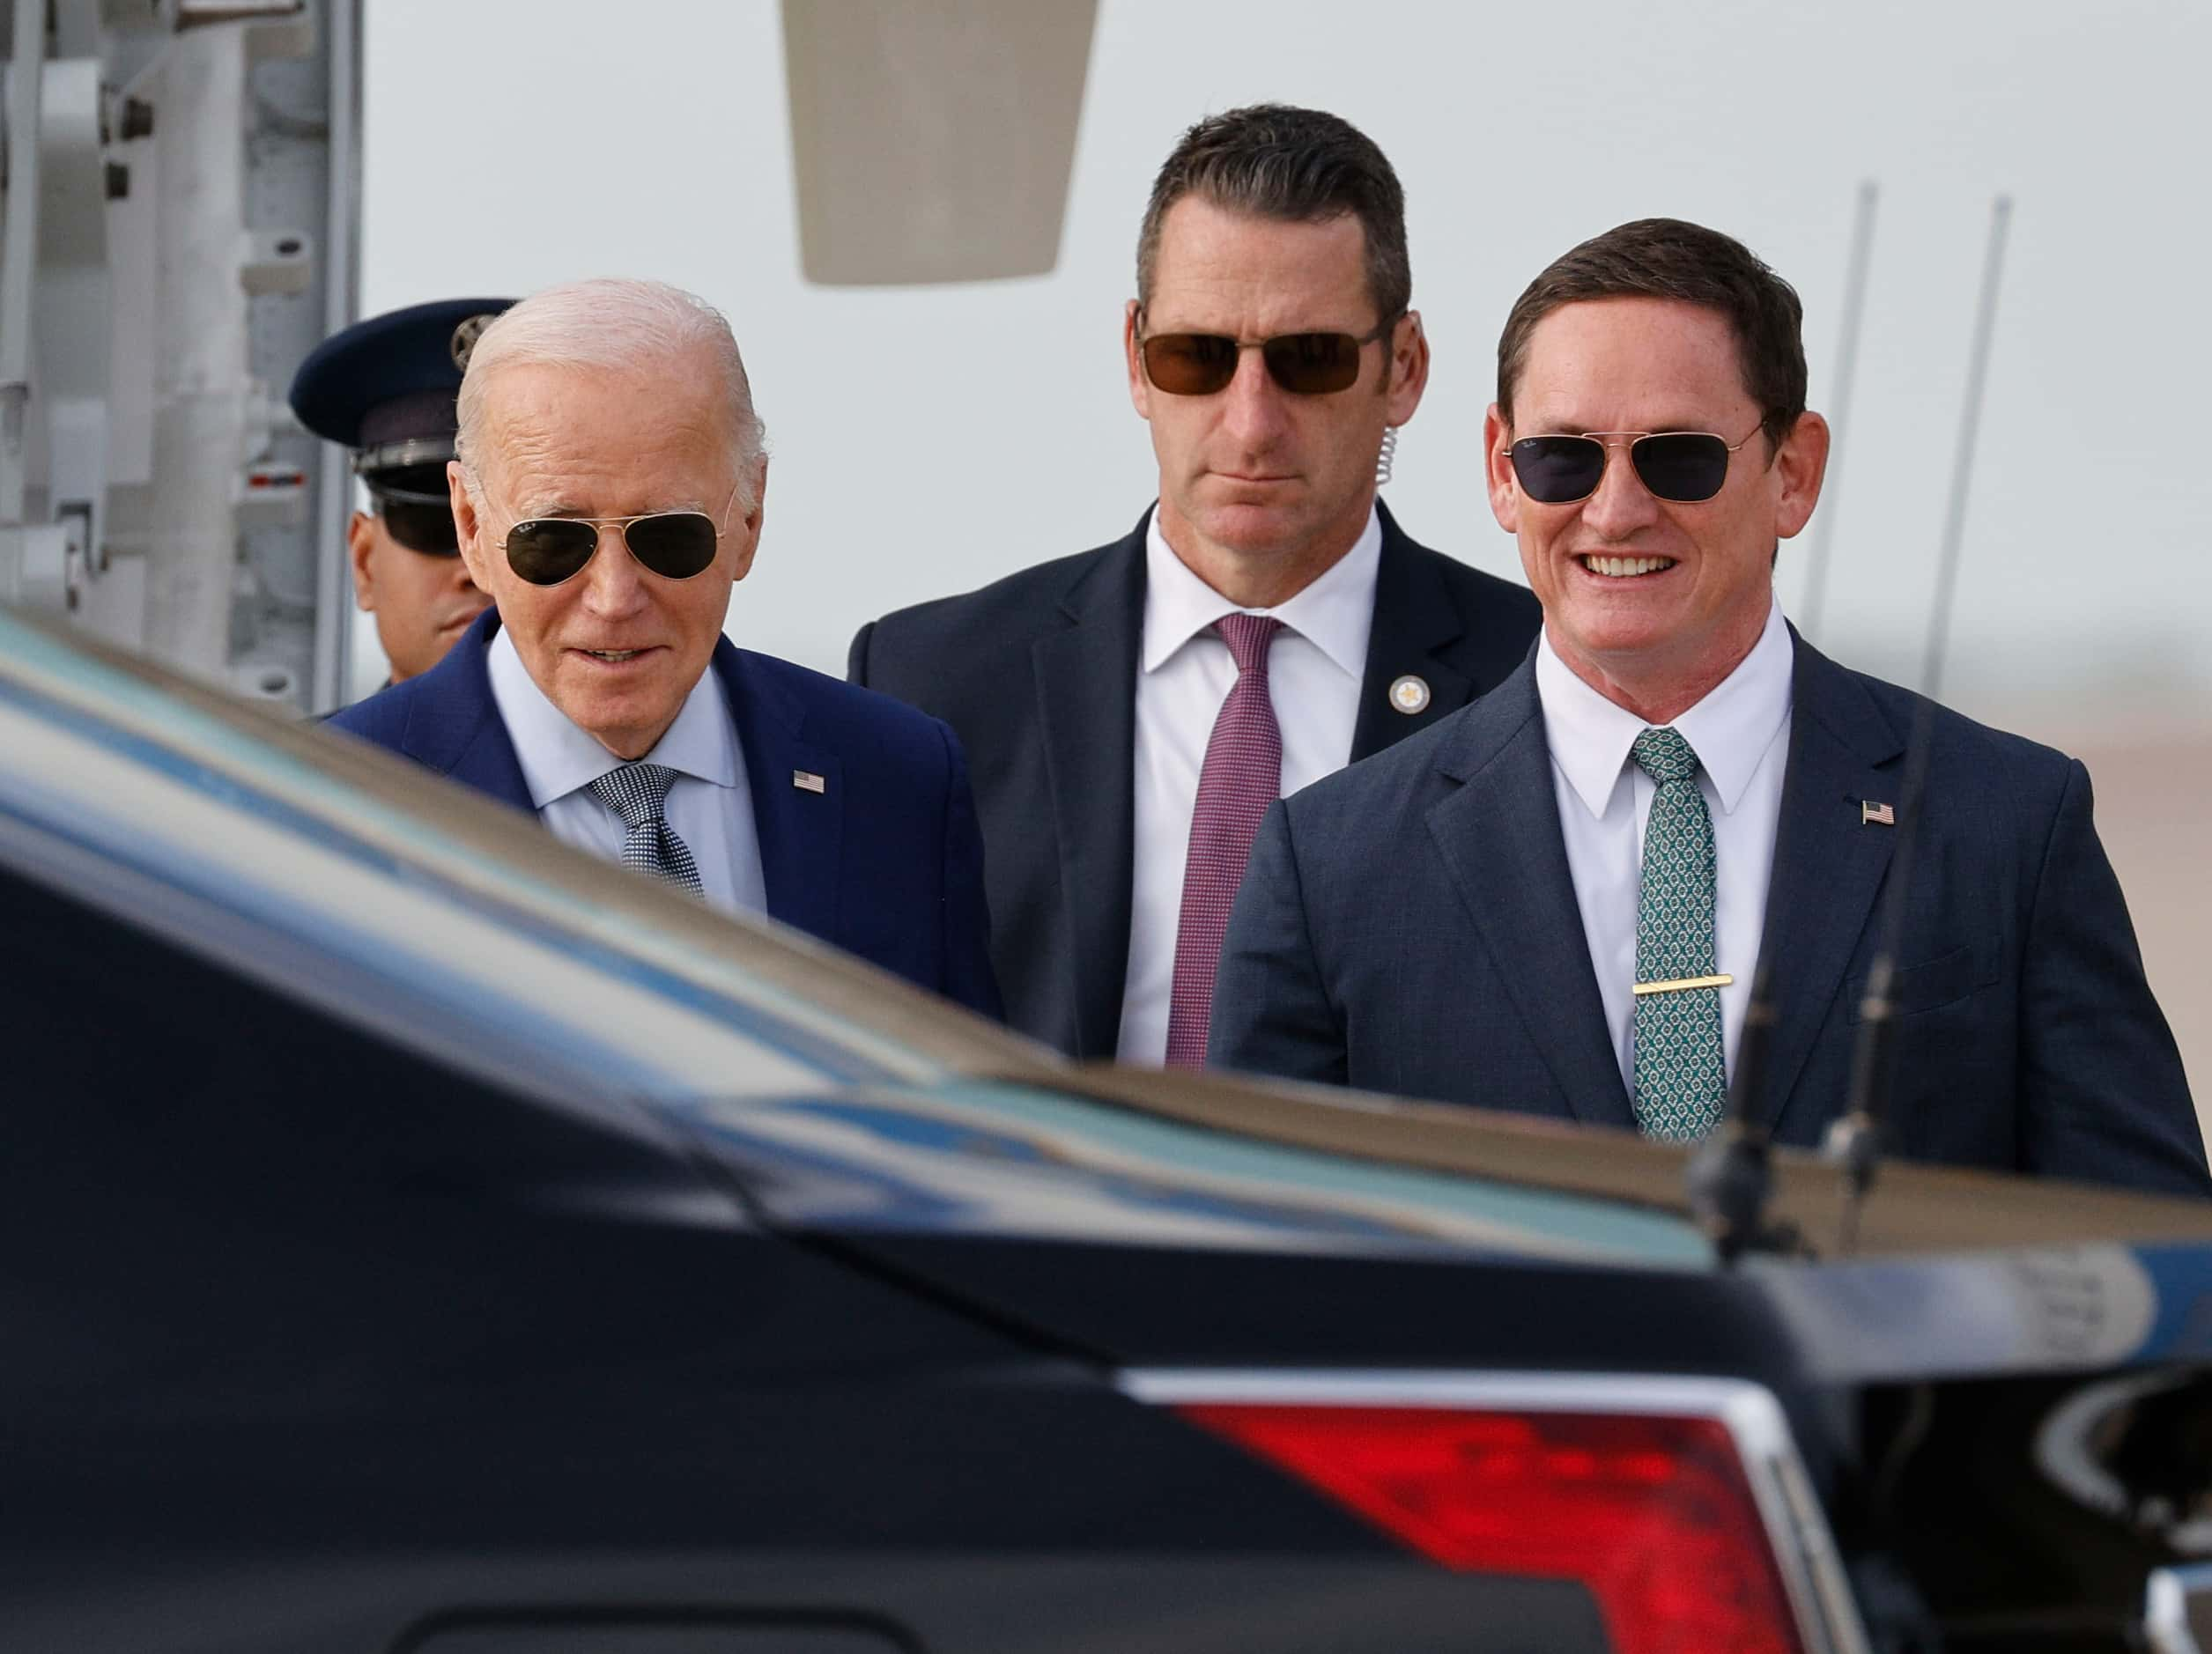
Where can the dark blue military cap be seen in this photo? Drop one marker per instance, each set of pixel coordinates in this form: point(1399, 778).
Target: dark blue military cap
point(386, 387)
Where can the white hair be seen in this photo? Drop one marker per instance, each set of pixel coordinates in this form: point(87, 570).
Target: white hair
point(611, 322)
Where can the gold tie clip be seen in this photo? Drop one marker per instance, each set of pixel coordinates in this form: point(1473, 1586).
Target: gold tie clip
point(1676, 984)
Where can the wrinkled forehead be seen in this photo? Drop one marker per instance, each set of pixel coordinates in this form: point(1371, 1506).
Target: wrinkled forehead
point(558, 400)
point(658, 423)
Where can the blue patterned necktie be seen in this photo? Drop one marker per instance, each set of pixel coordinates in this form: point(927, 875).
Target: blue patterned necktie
point(636, 793)
point(1681, 1072)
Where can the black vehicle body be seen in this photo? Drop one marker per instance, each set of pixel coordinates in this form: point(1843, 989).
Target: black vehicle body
point(421, 1237)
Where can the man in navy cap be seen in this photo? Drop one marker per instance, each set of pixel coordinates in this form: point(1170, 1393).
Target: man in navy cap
point(385, 389)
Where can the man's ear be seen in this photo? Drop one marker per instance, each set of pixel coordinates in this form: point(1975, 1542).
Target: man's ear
point(748, 530)
point(1498, 467)
point(469, 529)
point(1800, 464)
point(1409, 367)
point(360, 543)
point(1140, 386)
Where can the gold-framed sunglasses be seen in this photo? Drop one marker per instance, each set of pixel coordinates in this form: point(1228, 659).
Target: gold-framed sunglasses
point(675, 544)
point(1682, 466)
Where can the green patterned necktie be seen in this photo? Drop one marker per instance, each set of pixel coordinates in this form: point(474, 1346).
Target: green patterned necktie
point(1680, 1077)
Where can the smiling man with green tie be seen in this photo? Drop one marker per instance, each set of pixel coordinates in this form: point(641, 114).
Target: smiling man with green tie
point(1556, 900)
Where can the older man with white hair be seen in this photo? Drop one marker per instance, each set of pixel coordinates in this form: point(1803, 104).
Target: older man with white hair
point(607, 492)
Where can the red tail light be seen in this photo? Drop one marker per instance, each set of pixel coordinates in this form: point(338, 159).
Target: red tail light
point(1652, 1513)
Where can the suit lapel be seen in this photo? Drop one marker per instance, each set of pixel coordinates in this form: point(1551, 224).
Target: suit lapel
point(801, 832)
point(454, 725)
point(1086, 690)
point(1500, 835)
point(1828, 862)
point(1416, 619)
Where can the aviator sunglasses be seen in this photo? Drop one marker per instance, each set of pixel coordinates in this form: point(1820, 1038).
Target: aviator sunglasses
point(1683, 466)
point(1304, 363)
point(674, 544)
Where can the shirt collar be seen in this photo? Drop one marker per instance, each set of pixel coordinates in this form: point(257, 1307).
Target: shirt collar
point(1334, 613)
point(558, 757)
point(1730, 729)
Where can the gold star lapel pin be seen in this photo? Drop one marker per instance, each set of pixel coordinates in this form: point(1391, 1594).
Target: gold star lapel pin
point(1409, 695)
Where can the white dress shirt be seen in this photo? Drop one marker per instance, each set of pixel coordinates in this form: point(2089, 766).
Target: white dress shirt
point(1741, 734)
point(709, 803)
point(1314, 669)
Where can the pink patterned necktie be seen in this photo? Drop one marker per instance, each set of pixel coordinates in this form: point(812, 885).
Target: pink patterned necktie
point(1241, 777)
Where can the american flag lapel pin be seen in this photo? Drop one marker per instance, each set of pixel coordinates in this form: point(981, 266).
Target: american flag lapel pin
point(1874, 815)
point(806, 781)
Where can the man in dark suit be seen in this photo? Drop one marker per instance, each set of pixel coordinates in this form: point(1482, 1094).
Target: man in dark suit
point(1131, 710)
point(607, 491)
point(1556, 901)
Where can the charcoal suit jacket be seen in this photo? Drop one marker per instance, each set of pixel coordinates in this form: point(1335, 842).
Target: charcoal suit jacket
point(1037, 674)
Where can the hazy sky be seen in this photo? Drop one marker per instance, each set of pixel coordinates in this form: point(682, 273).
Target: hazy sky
point(514, 143)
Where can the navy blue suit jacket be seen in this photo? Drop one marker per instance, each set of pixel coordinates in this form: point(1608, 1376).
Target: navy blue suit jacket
point(885, 861)
point(1410, 926)
point(1038, 673)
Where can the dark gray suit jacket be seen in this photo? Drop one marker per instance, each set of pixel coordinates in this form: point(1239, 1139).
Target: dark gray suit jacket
point(1037, 675)
point(1410, 926)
